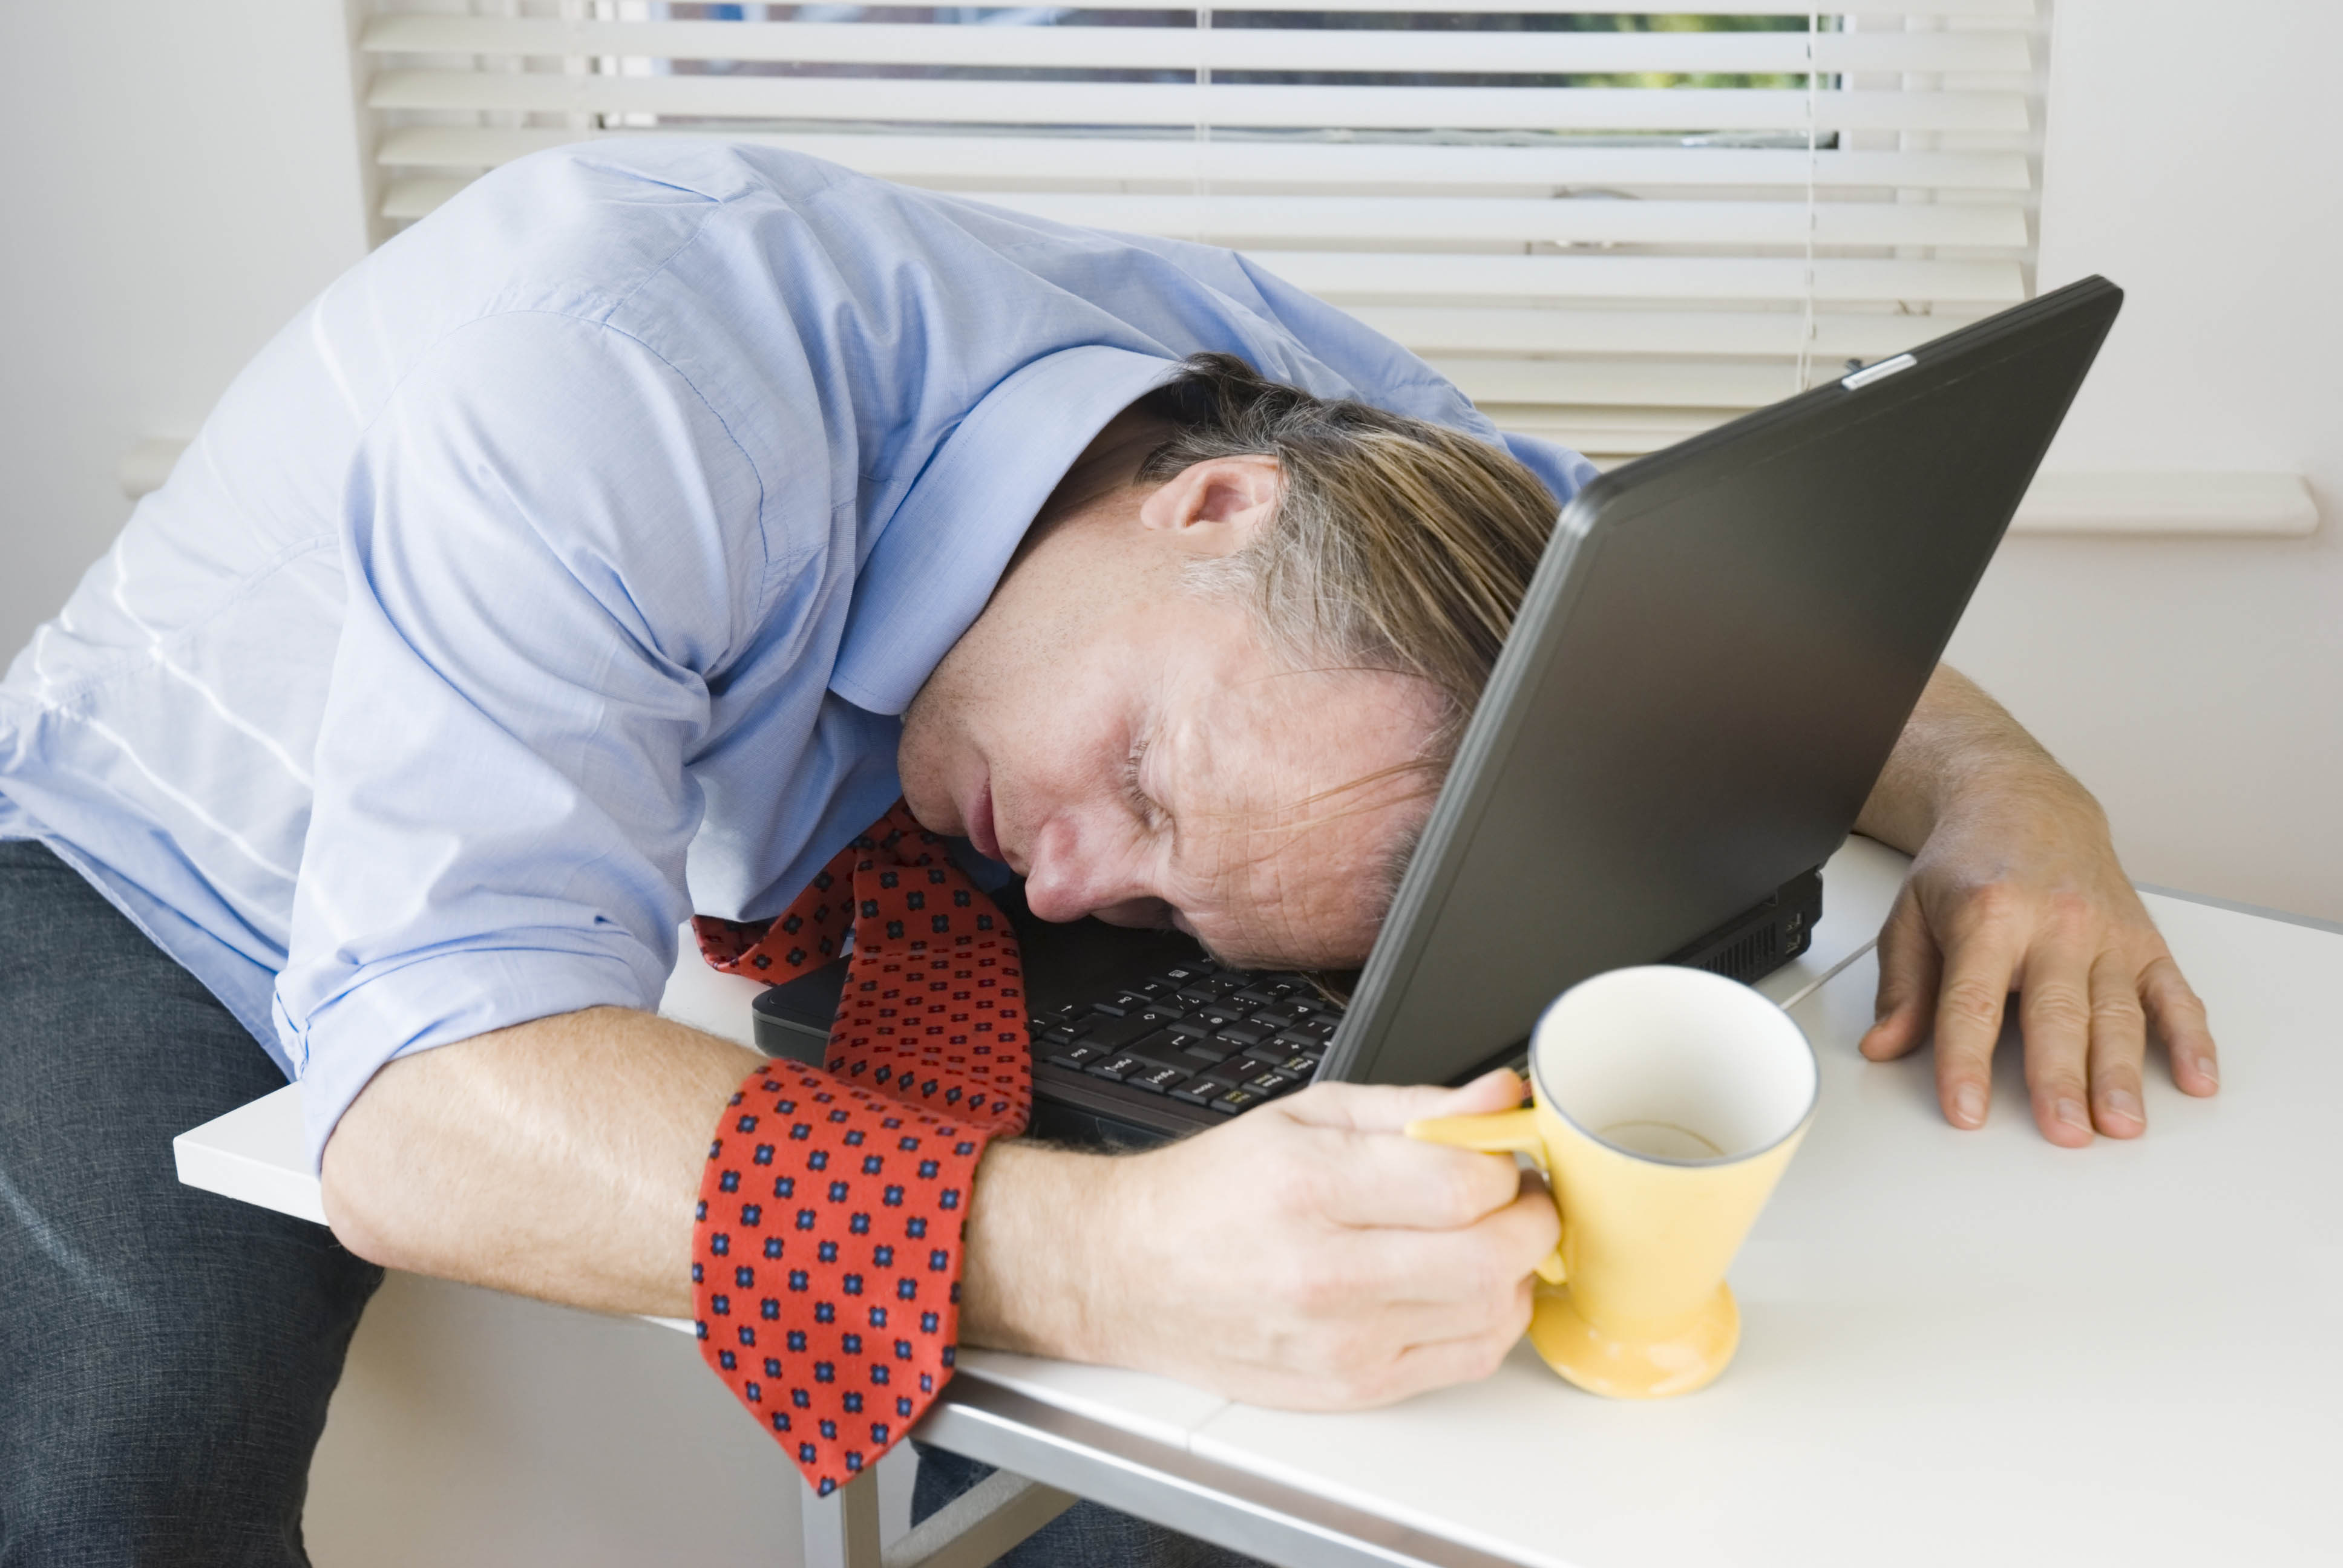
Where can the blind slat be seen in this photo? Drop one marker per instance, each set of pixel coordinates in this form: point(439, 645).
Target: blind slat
point(1398, 278)
point(1437, 330)
point(1605, 434)
point(1651, 383)
point(1235, 219)
point(919, 159)
point(1239, 220)
point(414, 198)
point(1399, 274)
point(1184, 104)
point(1185, 48)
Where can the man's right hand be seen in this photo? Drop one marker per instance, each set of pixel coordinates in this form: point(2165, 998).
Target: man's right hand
point(1305, 1255)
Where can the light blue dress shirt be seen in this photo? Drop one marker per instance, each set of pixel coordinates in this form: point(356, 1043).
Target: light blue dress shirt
point(565, 569)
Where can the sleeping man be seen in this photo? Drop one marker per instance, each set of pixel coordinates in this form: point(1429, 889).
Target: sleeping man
point(669, 528)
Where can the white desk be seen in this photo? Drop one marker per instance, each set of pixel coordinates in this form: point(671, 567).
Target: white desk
point(1958, 1347)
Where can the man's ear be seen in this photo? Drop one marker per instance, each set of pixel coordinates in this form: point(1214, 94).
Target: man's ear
point(1214, 507)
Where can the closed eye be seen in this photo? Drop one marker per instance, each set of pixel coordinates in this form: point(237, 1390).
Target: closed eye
point(1143, 805)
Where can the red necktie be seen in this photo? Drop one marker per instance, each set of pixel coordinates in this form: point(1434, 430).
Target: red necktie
point(826, 1257)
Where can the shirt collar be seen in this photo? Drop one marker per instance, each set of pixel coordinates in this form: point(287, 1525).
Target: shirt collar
point(939, 556)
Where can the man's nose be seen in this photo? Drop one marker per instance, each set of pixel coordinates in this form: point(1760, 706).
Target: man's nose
point(1075, 874)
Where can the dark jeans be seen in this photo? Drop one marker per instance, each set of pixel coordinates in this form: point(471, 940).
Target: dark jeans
point(166, 1354)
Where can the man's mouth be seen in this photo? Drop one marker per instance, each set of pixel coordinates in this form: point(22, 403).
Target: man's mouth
point(981, 829)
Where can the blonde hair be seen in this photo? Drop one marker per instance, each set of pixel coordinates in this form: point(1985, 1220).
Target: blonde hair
point(1397, 544)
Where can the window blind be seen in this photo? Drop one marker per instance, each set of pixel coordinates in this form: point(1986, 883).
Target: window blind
point(1614, 227)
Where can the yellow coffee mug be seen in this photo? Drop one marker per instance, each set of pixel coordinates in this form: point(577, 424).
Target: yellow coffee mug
point(1667, 1103)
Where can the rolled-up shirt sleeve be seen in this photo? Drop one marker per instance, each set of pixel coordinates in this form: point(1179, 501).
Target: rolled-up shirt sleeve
point(551, 543)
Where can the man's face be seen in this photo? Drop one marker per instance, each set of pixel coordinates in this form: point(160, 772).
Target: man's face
point(1134, 751)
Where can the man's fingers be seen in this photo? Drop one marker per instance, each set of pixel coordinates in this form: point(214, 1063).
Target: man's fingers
point(1435, 1284)
point(1380, 1180)
point(2179, 1019)
point(1443, 1363)
point(1386, 1108)
point(1908, 968)
point(1979, 965)
point(2055, 1012)
point(2118, 1040)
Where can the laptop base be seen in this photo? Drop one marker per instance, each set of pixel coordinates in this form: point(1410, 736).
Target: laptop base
point(1077, 965)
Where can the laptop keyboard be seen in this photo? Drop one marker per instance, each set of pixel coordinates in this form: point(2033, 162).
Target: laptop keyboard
point(1220, 1039)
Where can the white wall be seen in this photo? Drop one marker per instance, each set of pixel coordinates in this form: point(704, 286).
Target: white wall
point(2196, 685)
point(183, 177)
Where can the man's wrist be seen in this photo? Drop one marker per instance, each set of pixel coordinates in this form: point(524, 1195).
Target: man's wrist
point(1961, 756)
point(2030, 781)
point(1044, 1263)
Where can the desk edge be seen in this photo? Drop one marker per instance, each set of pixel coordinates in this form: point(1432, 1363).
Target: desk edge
point(1174, 1487)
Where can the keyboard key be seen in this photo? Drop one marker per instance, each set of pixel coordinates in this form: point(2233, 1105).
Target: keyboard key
point(1238, 1070)
point(1197, 995)
point(1115, 1033)
point(1170, 1006)
point(1270, 1053)
point(1221, 1012)
point(1268, 1085)
point(1119, 1067)
point(1054, 1035)
point(1161, 1079)
point(1309, 1036)
point(1278, 1017)
point(1162, 1046)
point(1199, 1091)
point(1205, 1054)
point(1156, 989)
point(1200, 1028)
point(1075, 1055)
point(1301, 1066)
point(1115, 1009)
point(1244, 1034)
point(1235, 1100)
point(1184, 974)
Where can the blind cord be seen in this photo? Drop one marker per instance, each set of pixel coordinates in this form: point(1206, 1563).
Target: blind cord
point(1203, 181)
point(1814, 104)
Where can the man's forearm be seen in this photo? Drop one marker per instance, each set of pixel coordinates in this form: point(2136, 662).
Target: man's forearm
point(558, 1159)
point(1305, 1255)
point(1959, 743)
point(561, 1159)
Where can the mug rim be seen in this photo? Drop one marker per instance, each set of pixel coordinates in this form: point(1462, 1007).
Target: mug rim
point(1547, 1100)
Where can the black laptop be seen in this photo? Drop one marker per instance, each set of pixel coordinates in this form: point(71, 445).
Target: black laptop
point(1718, 651)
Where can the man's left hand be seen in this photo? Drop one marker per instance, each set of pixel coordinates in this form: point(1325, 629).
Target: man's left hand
point(2016, 888)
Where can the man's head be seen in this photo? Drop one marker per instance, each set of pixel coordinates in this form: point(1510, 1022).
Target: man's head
point(1224, 674)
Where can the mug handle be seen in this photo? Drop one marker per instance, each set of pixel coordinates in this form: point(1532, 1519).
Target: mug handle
point(1493, 1132)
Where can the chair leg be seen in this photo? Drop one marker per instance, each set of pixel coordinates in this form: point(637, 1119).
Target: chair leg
point(981, 1523)
point(841, 1530)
